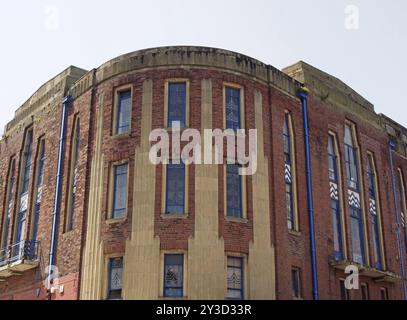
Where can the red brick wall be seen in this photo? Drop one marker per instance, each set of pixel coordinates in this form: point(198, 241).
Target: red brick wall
point(292, 250)
point(324, 117)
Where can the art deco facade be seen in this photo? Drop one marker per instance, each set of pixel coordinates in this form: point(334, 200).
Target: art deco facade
point(79, 192)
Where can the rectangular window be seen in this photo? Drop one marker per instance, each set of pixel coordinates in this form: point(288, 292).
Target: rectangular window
point(174, 275)
point(357, 235)
point(115, 275)
point(344, 291)
point(365, 291)
point(289, 173)
point(354, 195)
point(175, 189)
point(332, 159)
point(289, 206)
point(9, 204)
point(234, 191)
point(384, 294)
point(296, 282)
point(177, 103)
point(123, 112)
point(73, 175)
point(120, 174)
point(337, 228)
point(374, 210)
point(38, 192)
point(235, 280)
point(351, 159)
point(27, 155)
point(233, 108)
point(402, 197)
point(21, 216)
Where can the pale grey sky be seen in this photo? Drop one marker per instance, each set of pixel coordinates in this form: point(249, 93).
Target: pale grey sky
point(40, 38)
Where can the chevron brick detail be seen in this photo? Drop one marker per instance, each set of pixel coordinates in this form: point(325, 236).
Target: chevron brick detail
point(354, 199)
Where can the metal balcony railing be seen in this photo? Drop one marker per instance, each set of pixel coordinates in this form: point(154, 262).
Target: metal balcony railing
point(26, 250)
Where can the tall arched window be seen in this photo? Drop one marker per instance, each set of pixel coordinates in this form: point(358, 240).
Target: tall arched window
point(354, 196)
point(335, 195)
point(9, 203)
point(402, 199)
point(374, 210)
point(21, 217)
point(289, 174)
point(39, 174)
point(73, 176)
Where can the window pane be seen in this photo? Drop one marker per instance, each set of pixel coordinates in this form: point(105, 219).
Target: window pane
point(287, 140)
point(124, 112)
point(175, 189)
point(348, 135)
point(376, 243)
point(120, 191)
point(295, 281)
point(234, 191)
point(332, 168)
point(232, 108)
point(344, 291)
point(235, 278)
point(177, 99)
point(173, 275)
point(357, 236)
point(9, 204)
point(371, 178)
point(288, 173)
point(402, 198)
point(27, 161)
point(351, 167)
point(365, 291)
point(40, 174)
point(337, 234)
point(289, 205)
point(115, 278)
point(384, 294)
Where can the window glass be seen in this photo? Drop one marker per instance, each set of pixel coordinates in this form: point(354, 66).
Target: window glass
point(177, 103)
point(233, 117)
point(173, 275)
point(123, 112)
point(115, 278)
point(120, 191)
point(234, 191)
point(175, 203)
point(235, 278)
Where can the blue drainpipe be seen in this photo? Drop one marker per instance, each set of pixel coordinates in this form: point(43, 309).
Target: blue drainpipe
point(392, 146)
point(58, 185)
point(303, 95)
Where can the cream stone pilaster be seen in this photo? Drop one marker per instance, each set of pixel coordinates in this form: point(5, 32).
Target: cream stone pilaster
point(261, 253)
point(206, 252)
point(93, 260)
point(142, 258)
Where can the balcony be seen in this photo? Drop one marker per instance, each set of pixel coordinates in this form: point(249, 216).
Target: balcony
point(18, 258)
point(370, 272)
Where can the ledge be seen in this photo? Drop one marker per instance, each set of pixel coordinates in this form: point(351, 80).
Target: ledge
point(121, 136)
point(294, 233)
point(116, 221)
point(16, 268)
point(237, 220)
point(369, 272)
point(167, 216)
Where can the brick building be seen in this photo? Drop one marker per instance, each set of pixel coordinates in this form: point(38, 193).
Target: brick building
point(79, 193)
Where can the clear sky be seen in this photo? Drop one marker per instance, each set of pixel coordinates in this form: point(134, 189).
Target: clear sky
point(362, 42)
